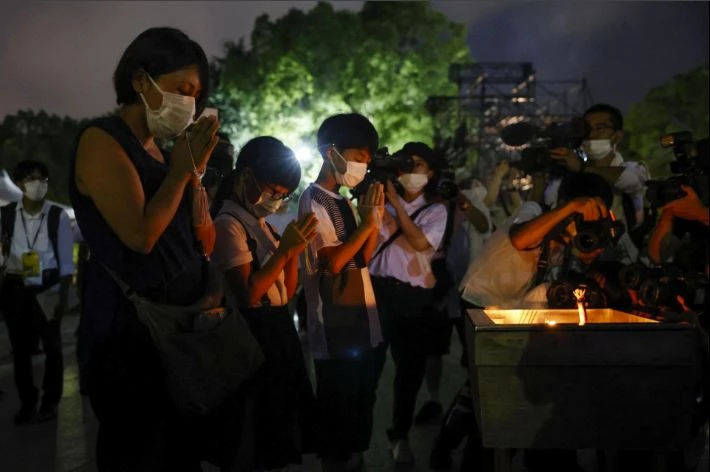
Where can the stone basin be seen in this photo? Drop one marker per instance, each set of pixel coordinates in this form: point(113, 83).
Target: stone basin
point(540, 380)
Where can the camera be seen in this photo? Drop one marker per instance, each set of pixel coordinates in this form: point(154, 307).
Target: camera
point(536, 157)
point(560, 293)
point(633, 276)
point(597, 234)
point(446, 187)
point(690, 167)
point(664, 292)
point(385, 166)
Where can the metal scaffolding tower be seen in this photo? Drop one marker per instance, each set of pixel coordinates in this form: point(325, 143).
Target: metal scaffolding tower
point(492, 95)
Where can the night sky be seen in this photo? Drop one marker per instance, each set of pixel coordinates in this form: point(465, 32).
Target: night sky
point(59, 56)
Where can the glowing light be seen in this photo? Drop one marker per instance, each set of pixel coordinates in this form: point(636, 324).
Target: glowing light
point(551, 322)
point(303, 154)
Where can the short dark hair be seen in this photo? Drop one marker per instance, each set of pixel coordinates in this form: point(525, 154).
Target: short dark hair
point(160, 51)
point(583, 184)
point(434, 160)
point(348, 131)
point(617, 119)
point(25, 168)
point(271, 161)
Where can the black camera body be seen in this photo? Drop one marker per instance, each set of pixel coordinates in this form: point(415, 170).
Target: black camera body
point(597, 234)
point(447, 187)
point(659, 287)
point(560, 293)
point(536, 157)
point(385, 166)
point(690, 168)
point(633, 276)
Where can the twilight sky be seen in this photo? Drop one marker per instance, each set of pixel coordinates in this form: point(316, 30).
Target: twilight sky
point(59, 56)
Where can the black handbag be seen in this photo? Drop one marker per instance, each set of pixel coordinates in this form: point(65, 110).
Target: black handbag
point(207, 351)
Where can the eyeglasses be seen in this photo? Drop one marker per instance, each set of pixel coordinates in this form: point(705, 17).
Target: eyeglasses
point(274, 195)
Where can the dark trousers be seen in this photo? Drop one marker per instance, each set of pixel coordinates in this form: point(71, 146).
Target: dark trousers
point(283, 397)
point(25, 321)
point(401, 306)
point(139, 430)
point(345, 397)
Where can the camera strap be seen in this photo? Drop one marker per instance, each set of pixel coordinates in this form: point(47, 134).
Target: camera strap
point(399, 231)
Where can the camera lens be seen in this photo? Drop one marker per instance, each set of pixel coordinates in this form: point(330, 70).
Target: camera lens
point(650, 292)
point(630, 276)
point(559, 295)
point(587, 241)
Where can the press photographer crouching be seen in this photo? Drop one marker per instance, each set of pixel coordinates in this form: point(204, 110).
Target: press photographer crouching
point(522, 265)
point(412, 229)
point(589, 146)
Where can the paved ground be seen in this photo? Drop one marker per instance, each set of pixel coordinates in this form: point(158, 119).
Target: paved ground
point(67, 445)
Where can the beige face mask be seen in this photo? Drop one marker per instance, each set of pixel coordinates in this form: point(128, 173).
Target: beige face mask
point(413, 183)
point(354, 172)
point(175, 113)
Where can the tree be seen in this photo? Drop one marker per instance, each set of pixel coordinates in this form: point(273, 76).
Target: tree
point(680, 104)
point(383, 62)
point(41, 137)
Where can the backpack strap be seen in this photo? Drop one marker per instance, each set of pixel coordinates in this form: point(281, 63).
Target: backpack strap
point(252, 245)
point(399, 231)
point(7, 221)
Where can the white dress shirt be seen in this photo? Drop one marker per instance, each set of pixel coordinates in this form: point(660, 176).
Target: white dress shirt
point(36, 238)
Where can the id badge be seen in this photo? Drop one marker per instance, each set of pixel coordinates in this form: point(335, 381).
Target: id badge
point(31, 269)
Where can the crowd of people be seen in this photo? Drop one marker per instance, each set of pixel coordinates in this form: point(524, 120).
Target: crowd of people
point(182, 262)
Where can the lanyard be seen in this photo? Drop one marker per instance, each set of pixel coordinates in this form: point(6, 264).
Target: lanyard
point(27, 237)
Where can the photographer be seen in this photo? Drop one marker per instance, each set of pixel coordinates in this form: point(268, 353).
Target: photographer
point(413, 227)
point(503, 189)
point(605, 124)
point(689, 209)
point(681, 232)
point(536, 247)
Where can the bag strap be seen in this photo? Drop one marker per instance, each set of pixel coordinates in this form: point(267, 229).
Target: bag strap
point(7, 221)
point(252, 245)
point(449, 226)
point(399, 231)
point(127, 291)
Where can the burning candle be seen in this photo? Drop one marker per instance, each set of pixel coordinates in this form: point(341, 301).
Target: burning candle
point(579, 295)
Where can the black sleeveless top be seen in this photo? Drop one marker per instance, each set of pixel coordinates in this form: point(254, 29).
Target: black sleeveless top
point(171, 273)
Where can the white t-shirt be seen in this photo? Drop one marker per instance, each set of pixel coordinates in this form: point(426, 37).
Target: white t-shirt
point(232, 250)
point(501, 275)
point(327, 236)
point(400, 260)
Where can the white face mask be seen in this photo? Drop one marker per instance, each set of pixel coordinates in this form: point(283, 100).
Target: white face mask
point(266, 204)
point(175, 113)
point(36, 190)
point(597, 149)
point(413, 183)
point(354, 173)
